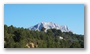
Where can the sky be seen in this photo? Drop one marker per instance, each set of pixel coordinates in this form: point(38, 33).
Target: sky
point(27, 15)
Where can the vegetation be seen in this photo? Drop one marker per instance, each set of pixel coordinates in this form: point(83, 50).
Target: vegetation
point(19, 37)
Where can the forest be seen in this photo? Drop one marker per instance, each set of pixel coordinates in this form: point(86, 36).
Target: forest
point(19, 37)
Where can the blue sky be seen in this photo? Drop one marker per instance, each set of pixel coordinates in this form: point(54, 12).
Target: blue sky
point(26, 15)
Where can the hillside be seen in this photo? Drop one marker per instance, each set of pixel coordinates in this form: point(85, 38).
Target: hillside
point(25, 38)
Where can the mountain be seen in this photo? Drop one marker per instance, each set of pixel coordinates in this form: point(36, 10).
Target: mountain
point(49, 25)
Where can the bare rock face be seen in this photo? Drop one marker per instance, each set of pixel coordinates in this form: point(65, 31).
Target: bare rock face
point(49, 25)
point(31, 45)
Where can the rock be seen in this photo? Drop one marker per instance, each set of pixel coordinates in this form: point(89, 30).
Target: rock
point(31, 45)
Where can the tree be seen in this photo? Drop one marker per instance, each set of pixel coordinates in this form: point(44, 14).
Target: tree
point(49, 32)
point(17, 36)
point(75, 45)
point(10, 29)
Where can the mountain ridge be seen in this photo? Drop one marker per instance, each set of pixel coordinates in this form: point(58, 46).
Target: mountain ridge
point(49, 25)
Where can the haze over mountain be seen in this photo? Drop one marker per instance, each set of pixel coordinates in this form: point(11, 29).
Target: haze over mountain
point(49, 25)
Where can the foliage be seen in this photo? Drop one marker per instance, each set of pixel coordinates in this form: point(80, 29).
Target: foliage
point(19, 37)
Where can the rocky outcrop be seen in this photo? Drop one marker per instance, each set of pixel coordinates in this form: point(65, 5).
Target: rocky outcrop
point(31, 45)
